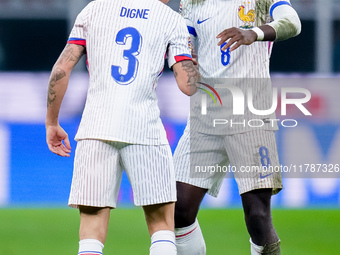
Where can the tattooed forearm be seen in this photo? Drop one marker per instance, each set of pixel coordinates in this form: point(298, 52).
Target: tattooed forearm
point(71, 53)
point(187, 76)
point(51, 95)
point(62, 68)
point(57, 74)
point(192, 71)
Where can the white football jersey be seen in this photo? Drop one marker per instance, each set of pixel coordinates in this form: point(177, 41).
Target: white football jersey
point(246, 67)
point(126, 43)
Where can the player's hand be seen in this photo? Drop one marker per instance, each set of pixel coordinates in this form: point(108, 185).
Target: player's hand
point(236, 37)
point(55, 135)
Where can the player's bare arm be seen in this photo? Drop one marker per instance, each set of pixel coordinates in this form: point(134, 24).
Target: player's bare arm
point(58, 82)
point(286, 24)
point(187, 75)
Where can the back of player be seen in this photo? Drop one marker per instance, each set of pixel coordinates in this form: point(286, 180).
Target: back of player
point(126, 42)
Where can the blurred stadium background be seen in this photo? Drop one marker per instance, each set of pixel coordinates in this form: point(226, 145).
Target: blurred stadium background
point(32, 35)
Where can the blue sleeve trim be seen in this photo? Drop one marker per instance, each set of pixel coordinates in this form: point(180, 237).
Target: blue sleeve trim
point(184, 55)
point(166, 241)
point(276, 5)
point(192, 31)
point(75, 39)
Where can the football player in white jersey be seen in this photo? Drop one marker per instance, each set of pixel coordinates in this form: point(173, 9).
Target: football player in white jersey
point(233, 41)
point(125, 42)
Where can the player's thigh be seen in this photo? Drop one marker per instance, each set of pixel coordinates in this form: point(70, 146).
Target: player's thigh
point(151, 173)
point(97, 174)
point(200, 160)
point(255, 157)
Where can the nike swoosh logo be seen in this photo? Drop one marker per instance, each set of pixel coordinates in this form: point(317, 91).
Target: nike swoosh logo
point(201, 21)
point(265, 176)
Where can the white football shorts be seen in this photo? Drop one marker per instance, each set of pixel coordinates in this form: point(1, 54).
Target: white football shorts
point(203, 160)
point(98, 169)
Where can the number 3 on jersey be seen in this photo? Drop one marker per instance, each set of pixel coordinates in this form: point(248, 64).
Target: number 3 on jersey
point(225, 55)
point(130, 55)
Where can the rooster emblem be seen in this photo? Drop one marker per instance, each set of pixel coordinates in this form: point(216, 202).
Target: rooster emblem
point(248, 18)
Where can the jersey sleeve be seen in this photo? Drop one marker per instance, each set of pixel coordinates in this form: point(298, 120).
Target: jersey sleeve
point(286, 21)
point(185, 9)
point(178, 49)
point(276, 3)
point(79, 31)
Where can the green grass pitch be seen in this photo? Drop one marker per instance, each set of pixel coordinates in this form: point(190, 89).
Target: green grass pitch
point(55, 232)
